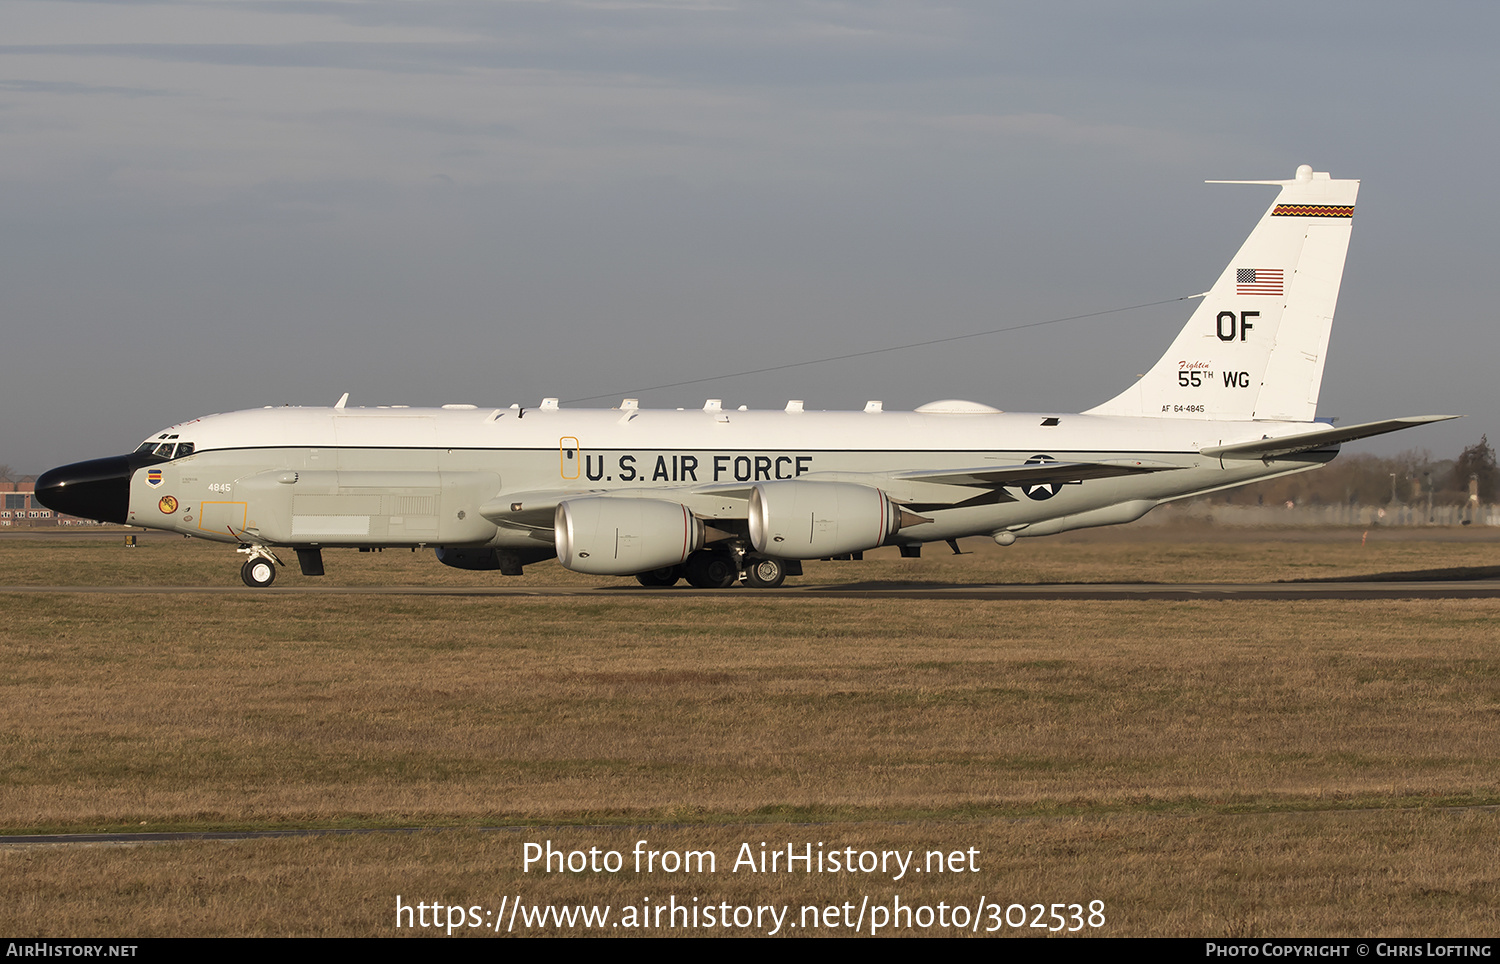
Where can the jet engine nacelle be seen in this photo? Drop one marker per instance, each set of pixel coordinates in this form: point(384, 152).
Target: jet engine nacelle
point(810, 520)
point(621, 537)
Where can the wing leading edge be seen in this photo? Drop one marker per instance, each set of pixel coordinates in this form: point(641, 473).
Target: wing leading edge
point(1036, 473)
point(535, 510)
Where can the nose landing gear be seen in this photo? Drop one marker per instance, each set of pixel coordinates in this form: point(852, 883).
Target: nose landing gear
point(259, 570)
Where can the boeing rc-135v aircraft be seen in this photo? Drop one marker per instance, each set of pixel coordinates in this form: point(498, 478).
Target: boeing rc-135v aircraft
point(716, 495)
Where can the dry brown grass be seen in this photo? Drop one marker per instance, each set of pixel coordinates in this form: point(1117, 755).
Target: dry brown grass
point(1164, 553)
point(1198, 766)
point(241, 709)
point(1364, 874)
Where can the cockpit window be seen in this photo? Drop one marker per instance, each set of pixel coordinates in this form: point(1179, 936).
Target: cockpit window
point(165, 450)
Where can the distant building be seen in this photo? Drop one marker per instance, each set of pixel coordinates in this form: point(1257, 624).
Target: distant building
point(18, 507)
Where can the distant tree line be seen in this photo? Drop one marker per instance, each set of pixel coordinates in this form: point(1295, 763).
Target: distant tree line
point(1406, 478)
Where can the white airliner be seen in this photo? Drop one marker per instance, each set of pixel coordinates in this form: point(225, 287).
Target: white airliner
point(714, 495)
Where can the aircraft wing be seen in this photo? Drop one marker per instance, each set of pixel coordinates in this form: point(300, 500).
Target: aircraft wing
point(1036, 473)
point(530, 510)
point(535, 510)
point(1270, 448)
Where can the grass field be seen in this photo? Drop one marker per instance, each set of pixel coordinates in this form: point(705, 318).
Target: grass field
point(1165, 553)
point(1203, 768)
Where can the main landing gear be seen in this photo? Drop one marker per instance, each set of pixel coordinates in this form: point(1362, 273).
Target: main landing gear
point(720, 569)
point(659, 578)
point(711, 569)
point(764, 572)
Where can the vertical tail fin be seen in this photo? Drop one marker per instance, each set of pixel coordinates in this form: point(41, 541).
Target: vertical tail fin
point(1255, 347)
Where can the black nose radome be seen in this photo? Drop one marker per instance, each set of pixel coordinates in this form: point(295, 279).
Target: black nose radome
point(96, 489)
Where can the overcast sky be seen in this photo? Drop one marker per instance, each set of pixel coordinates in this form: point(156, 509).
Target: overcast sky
point(213, 206)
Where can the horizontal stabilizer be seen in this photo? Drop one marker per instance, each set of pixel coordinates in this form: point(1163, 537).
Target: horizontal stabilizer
point(1270, 448)
point(1037, 473)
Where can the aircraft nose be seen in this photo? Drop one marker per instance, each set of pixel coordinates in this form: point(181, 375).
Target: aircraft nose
point(96, 489)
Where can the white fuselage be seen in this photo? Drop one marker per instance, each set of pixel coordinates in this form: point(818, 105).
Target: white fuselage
point(404, 476)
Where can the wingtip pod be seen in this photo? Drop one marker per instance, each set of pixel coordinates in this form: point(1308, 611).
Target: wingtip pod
point(1256, 345)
